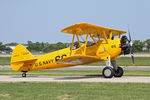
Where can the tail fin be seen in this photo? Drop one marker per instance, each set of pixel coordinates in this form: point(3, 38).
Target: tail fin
point(20, 55)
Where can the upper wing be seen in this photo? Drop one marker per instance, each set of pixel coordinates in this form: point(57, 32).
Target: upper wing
point(84, 28)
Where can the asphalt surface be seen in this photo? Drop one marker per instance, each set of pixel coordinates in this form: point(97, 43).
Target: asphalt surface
point(74, 79)
point(7, 67)
point(89, 78)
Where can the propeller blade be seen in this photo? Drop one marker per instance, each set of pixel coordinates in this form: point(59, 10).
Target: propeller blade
point(129, 35)
point(132, 55)
point(131, 47)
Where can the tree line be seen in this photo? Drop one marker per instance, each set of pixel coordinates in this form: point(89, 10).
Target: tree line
point(138, 46)
point(46, 47)
point(4, 48)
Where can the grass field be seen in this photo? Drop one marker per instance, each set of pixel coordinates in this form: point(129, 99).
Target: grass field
point(126, 61)
point(123, 61)
point(73, 73)
point(74, 91)
point(4, 60)
point(145, 52)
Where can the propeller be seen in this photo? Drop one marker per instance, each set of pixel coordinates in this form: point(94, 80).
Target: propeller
point(131, 46)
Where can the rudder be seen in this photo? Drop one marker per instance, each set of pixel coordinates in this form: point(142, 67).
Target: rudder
point(19, 56)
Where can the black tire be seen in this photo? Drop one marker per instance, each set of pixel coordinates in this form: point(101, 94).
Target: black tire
point(24, 74)
point(118, 72)
point(108, 72)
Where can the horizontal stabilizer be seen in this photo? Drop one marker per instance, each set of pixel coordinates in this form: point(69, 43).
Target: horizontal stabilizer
point(24, 60)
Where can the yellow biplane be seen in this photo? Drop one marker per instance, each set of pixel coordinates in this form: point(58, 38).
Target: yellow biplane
point(107, 45)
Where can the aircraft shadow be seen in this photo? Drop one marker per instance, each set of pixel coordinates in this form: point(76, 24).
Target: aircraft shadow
point(23, 77)
point(63, 77)
point(79, 77)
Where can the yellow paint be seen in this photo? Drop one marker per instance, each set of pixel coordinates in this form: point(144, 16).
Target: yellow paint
point(72, 43)
point(85, 43)
point(84, 28)
point(23, 60)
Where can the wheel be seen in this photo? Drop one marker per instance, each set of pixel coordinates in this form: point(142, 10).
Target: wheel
point(108, 72)
point(118, 72)
point(24, 74)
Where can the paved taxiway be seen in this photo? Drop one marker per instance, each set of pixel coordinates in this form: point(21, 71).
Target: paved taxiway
point(7, 67)
point(88, 78)
point(123, 79)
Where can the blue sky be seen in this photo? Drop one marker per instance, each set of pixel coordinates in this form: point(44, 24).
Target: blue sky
point(42, 20)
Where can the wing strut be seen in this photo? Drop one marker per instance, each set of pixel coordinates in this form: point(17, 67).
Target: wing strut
point(85, 43)
point(105, 36)
point(93, 39)
point(72, 44)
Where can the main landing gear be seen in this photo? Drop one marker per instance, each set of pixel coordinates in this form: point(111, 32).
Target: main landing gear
point(109, 72)
point(24, 73)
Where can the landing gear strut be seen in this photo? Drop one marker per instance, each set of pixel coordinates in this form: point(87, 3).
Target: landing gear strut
point(109, 72)
point(24, 74)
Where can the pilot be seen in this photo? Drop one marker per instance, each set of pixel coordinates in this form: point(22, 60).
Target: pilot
point(75, 46)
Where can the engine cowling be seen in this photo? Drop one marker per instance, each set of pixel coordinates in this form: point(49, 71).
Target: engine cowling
point(125, 45)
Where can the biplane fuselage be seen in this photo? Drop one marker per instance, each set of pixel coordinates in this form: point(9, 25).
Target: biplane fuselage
point(99, 51)
point(107, 46)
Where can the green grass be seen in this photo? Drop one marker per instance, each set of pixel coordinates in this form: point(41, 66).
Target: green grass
point(4, 60)
point(127, 61)
point(73, 73)
point(123, 61)
point(74, 91)
point(145, 52)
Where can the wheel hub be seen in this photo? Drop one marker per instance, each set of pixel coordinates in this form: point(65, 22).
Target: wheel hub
point(107, 72)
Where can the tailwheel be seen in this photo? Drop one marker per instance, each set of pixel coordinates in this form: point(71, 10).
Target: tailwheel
point(108, 72)
point(118, 72)
point(24, 74)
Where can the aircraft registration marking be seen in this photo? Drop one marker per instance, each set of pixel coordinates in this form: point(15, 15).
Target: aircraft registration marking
point(40, 63)
point(45, 62)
